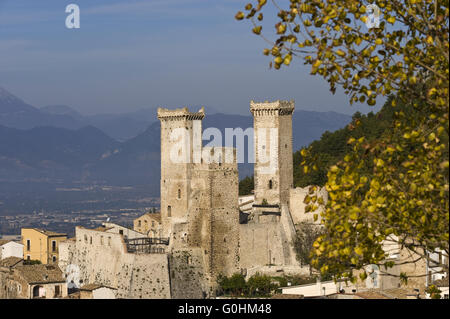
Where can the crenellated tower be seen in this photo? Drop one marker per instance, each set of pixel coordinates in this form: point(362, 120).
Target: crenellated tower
point(273, 151)
point(181, 138)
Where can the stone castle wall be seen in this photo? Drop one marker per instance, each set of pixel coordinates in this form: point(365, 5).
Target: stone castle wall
point(297, 205)
point(102, 258)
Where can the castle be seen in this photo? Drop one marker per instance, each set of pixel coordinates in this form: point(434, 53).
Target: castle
point(200, 215)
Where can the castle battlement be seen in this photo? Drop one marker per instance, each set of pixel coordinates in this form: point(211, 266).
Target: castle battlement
point(180, 114)
point(278, 107)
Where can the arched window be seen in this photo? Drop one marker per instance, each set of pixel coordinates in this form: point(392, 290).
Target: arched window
point(270, 184)
point(169, 211)
point(179, 193)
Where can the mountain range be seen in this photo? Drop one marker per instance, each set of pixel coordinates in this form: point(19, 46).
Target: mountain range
point(58, 144)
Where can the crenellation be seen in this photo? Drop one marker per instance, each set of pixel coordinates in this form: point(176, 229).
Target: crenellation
point(180, 114)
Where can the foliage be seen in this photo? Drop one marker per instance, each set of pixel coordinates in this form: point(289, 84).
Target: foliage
point(260, 285)
point(395, 186)
point(257, 285)
point(434, 292)
point(246, 186)
point(332, 146)
point(32, 262)
point(235, 285)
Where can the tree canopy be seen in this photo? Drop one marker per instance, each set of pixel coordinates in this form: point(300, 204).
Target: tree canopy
point(395, 186)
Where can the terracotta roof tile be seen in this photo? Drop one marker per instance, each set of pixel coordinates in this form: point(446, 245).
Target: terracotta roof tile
point(91, 287)
point(155, 216)
point(10, 261)
point(287, 296)
point(441, 282)
point(371, 295)
point(49, 232)
point(40, 273)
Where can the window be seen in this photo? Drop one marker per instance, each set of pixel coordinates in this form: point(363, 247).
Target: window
point(121, 231)
point(85, 238)
point(139, 223)
point(54, 259)
point(169, 211)
point(28, 257)
point(101, 240)
point(28, 245)
point(90, 240)
point(179, 193)
point(270, 184)
point(109, 241)
point(53, 245)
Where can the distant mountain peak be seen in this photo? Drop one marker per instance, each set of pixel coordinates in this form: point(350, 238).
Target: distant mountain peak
point(8, 97)
point(9, 103)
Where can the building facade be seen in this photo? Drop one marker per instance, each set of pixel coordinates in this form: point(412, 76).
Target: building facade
point(41, 245)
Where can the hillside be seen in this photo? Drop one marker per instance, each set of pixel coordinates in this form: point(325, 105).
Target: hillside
point(332, 146)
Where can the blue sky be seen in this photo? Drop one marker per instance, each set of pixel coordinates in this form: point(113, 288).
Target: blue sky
point(133, 54)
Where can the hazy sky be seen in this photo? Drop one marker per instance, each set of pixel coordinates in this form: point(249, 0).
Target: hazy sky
point(133, 54)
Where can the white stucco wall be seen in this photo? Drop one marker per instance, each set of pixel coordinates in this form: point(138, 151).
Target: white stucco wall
point(11, 249)
point(104, 293)
point(318, 289)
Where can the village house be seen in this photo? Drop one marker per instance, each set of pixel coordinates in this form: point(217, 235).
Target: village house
point(97, 291)
point(149, 224)
point(21, 281)
point(9, 248)
point(41, 245)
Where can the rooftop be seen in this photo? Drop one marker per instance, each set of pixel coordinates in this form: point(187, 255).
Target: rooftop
point(103, 228)
point(441, 282)
point(10, 261)
point(155, 216)
point(48, 232)
point(4, 241)
point(287, 296)
point(40, 274)
point(371, 295)
point(92, 287)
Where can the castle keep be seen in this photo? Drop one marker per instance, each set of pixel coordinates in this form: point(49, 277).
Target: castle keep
point(273, 151)
point(202, 232)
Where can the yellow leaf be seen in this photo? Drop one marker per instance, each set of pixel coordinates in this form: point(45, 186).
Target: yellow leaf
point(317, 63)
point(340, 53)
point(359, 251)
point(257, 30)
point(391, 20)
point(239, 16)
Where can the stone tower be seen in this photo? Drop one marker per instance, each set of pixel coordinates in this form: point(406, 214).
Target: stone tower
point(181, 138)
point(273, 151)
